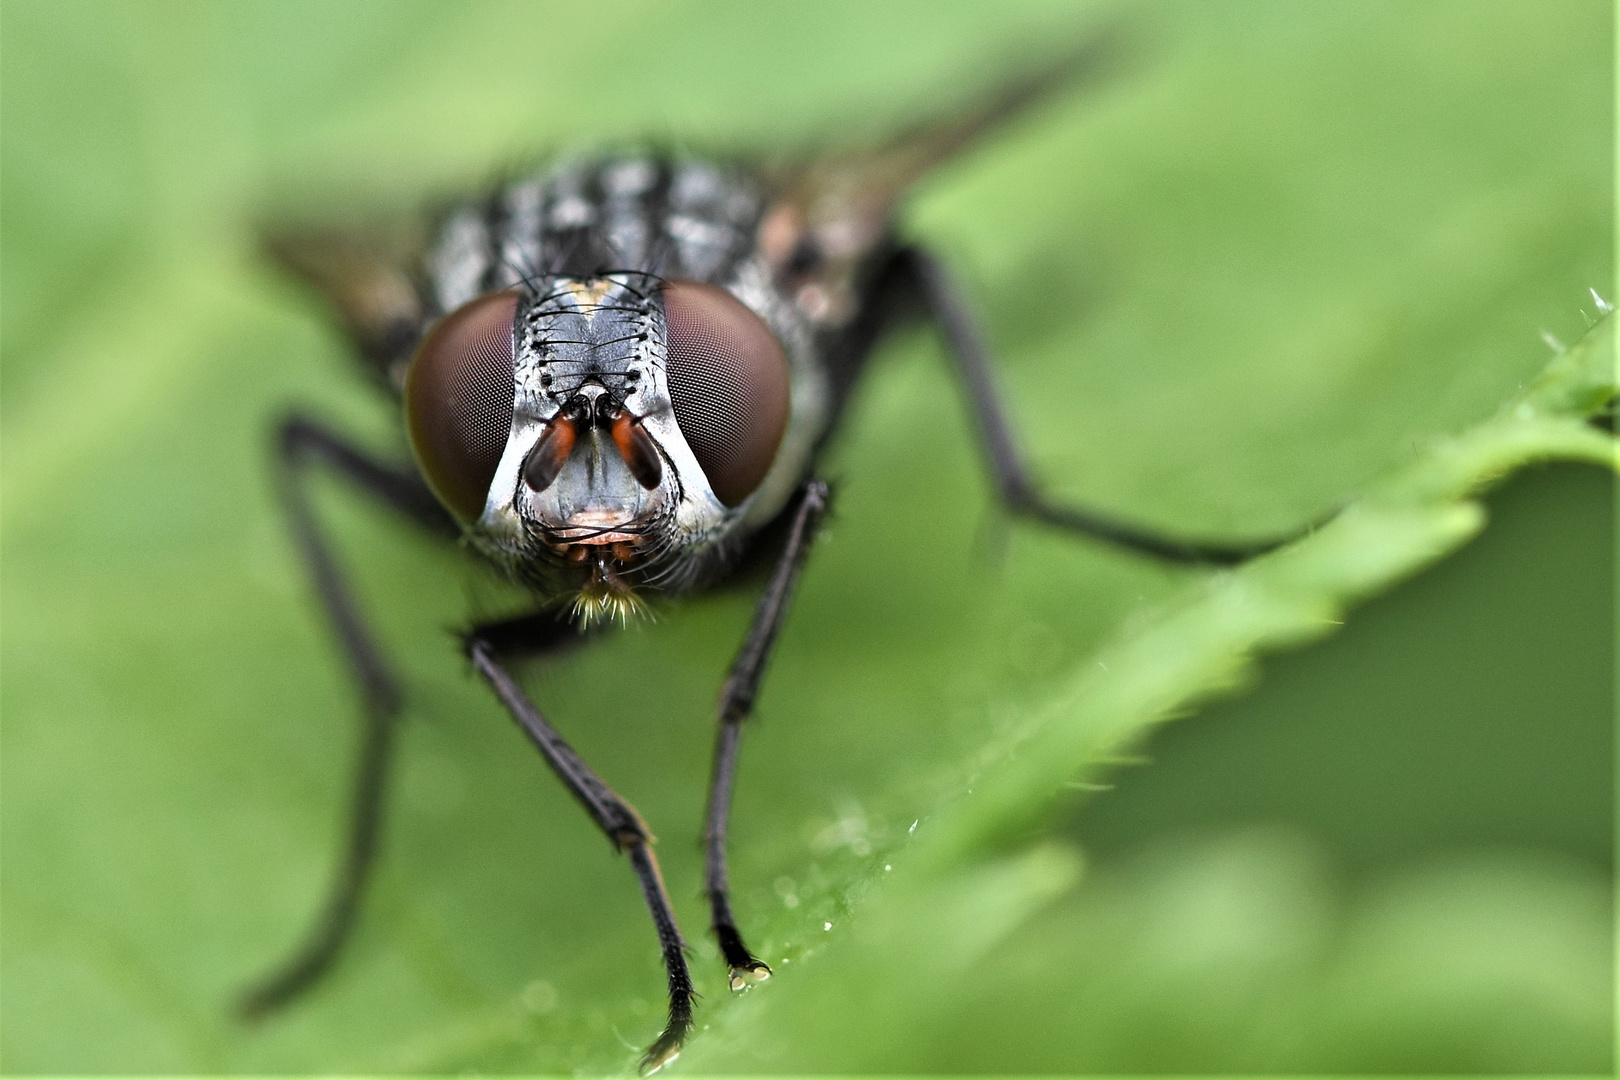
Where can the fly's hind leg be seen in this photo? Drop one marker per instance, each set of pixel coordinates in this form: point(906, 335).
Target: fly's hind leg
point(301, 443)
point(736, 703)
point(920, 274)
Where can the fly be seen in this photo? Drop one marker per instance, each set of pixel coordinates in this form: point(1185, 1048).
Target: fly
point(617, 376)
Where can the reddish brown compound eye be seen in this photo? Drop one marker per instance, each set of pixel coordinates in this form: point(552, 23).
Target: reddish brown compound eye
point(728, 382)
point(458, 400)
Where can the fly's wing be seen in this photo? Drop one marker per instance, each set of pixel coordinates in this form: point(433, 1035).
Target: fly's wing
point(829, 215)
point(369, 277)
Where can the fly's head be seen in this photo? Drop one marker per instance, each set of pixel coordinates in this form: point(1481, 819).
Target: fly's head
point(596, 435)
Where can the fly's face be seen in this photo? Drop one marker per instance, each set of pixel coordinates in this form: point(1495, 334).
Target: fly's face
point(600, 433)
point(596, 430)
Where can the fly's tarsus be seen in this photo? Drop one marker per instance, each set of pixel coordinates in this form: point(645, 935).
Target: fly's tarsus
point(743, 968)
point(1170, 549)
point(681, 992)
point(668, 1045)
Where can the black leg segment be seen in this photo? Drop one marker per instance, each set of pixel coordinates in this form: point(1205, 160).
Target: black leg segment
point(736, 703)
point(613, 815)
point(322, 942)
point(301, 442)
point(915, 269)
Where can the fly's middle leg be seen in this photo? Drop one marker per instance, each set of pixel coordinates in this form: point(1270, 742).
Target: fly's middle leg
point(923, 278)
point(302, 442)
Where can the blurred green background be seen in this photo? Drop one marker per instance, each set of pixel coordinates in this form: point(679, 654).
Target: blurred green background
point(1282, 251)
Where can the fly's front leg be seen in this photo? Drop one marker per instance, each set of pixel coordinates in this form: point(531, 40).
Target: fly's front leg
point(918, 271)
point(736, 703)
point(628, 833)
point(301, 442)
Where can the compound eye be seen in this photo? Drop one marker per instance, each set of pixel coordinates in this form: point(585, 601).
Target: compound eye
point(728, 382)
point(458, 400)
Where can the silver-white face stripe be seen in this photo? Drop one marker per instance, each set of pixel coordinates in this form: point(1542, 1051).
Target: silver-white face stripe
point(698, 513)
point(700, 518)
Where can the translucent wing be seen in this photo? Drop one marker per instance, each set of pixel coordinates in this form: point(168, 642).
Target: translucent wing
point(828, 212)
point(368, 276)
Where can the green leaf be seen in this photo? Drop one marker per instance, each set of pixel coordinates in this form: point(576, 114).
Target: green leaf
point(952, 896)
point(1292, 258)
